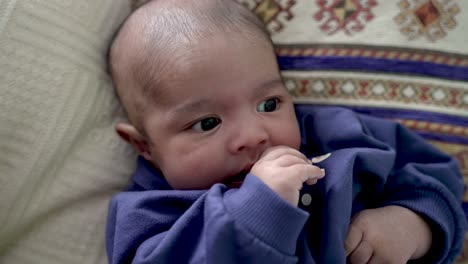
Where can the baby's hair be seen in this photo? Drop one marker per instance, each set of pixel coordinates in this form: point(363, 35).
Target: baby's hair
point(152, 36)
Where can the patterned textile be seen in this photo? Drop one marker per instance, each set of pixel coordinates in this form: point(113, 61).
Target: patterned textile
point(60, 159)
point(402, 60)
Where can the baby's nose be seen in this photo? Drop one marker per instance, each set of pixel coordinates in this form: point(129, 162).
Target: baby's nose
point(249, 138)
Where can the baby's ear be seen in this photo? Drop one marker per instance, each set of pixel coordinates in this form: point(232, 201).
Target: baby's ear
point(130, 134)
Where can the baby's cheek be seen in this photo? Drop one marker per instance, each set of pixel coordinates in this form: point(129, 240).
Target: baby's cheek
point(195, 170)
point(288, 135)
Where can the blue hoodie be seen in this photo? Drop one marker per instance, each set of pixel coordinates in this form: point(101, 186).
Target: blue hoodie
point(374, 163)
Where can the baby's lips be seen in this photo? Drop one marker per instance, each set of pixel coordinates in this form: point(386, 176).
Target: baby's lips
point(236, 184)
point(320, 158)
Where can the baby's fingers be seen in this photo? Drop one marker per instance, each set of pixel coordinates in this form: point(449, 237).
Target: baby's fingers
point(313, 178)
point(354, 237)
point(290, 160)
point(362, 254)
point(279, 151)
point(358, 250)
point(300, 173)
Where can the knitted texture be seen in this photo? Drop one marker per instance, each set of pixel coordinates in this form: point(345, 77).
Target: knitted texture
point(60, 159)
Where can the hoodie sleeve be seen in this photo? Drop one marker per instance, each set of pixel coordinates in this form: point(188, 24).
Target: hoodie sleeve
point(426, 181)
point(246, 225)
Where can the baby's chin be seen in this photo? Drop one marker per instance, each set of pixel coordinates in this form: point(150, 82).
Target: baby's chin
point(234, 185)
point(233, 181)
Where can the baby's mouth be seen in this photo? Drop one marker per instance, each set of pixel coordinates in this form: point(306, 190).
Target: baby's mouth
point(237, 180)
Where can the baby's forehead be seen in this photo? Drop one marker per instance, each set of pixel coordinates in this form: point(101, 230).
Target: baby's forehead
point(157, 46)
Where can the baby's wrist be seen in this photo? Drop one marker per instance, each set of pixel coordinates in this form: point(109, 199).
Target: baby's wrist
point(422, 231)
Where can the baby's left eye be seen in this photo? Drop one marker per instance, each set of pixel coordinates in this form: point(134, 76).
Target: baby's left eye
point(269, 105)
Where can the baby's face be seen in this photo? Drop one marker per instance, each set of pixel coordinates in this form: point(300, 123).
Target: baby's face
point(223, 107)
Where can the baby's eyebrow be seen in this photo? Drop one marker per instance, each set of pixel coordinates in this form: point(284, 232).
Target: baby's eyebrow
point(192, 106)
point(267, 86)
point(201, 104)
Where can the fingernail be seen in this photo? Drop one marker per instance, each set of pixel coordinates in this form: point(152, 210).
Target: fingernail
point(323, 170)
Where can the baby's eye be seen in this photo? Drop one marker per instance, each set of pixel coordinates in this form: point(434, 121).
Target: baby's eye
point(206, 124)
point(269, 105)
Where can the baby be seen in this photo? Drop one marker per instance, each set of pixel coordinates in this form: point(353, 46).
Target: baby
point(224, 174)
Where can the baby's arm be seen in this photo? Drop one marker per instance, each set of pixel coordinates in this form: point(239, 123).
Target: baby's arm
point(253, 224)
point(246, 225)
point(429, 184)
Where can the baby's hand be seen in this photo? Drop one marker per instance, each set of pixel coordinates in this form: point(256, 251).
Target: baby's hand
point(285, 170)
point(391, 234)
